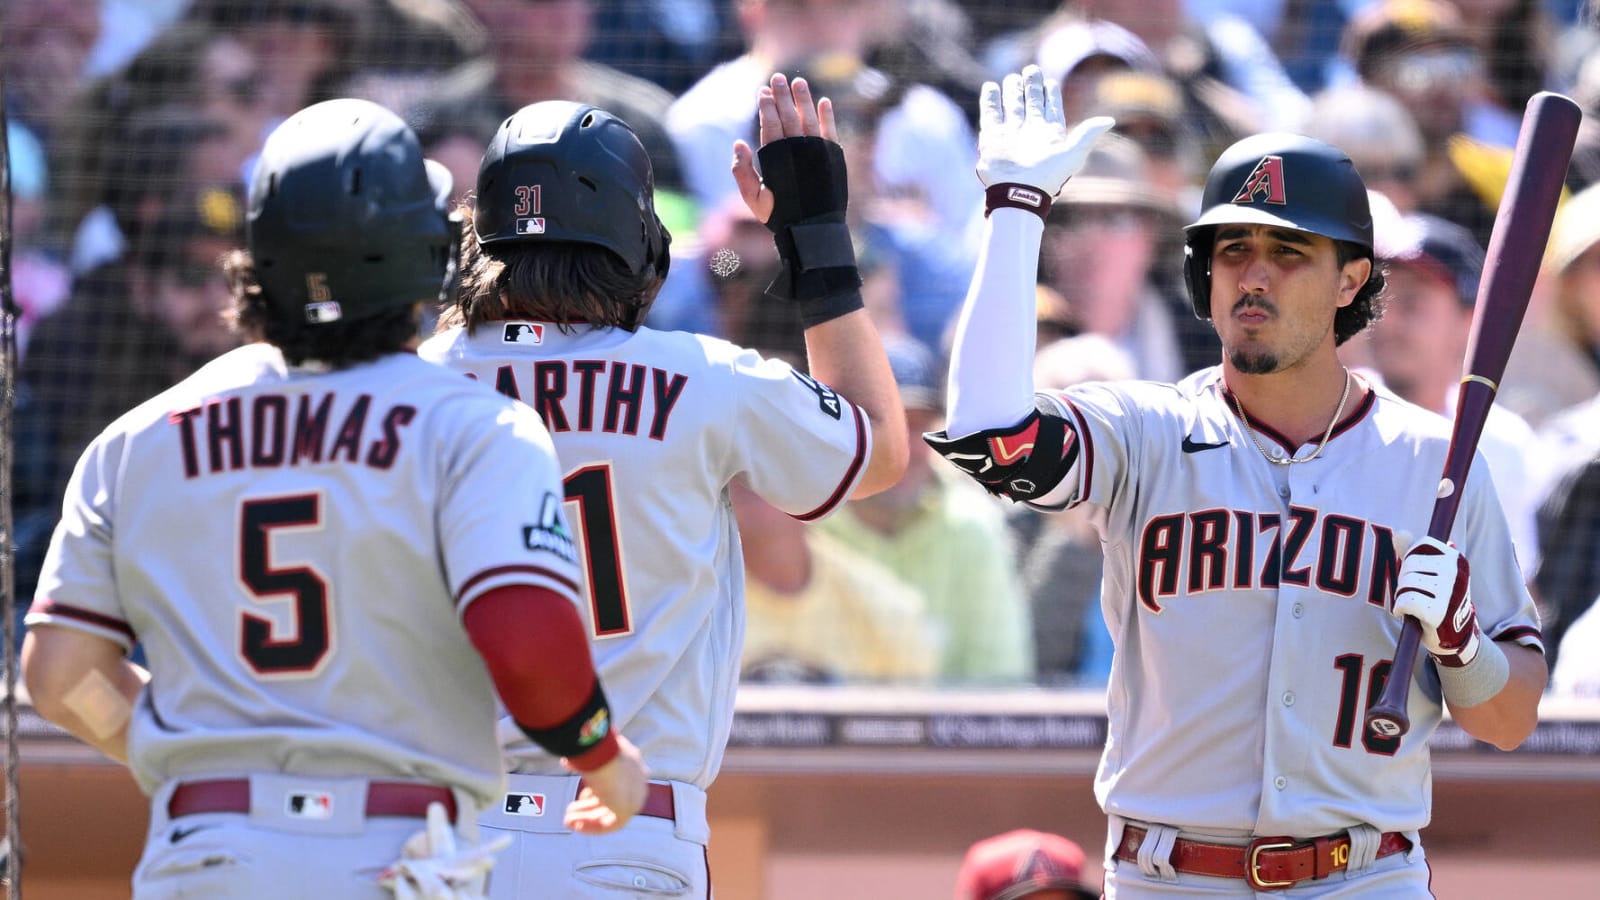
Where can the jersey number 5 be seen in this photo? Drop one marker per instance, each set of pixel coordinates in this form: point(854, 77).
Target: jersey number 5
point(590, 488)
point(310, 635)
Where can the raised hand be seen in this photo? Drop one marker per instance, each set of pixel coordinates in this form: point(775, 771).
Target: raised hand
point(786, 109)
point(1023, 137)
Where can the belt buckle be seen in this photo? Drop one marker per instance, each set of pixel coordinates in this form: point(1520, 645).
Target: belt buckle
point(1252, 868)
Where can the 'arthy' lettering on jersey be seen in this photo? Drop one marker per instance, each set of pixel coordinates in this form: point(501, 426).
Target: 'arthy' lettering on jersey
point(569, 393)
point(273, 430)
point(1234, 549)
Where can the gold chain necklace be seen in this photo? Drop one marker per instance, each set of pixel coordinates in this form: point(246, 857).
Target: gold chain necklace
point(1290, 460)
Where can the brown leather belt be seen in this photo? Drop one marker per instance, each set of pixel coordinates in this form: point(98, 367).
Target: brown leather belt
point(658, 802)
point(384, 798)
point(1266, 863)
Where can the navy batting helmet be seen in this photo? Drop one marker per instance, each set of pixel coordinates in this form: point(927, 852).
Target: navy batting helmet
point(563, 171)
point(346, 218)
point(1279, 179)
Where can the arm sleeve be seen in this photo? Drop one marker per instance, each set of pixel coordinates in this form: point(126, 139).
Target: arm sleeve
point(537, 650)
point(991, 364)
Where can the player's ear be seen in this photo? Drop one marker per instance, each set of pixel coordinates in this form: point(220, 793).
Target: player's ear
point(1352, 278)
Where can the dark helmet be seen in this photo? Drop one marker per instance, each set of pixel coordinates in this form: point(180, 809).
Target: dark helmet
point(346, 218)
point(563, 171)
point(1276, 179)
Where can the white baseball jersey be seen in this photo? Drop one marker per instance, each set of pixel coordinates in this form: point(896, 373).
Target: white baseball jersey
point(1249, 606)
point(294, 550)
point(651, 427)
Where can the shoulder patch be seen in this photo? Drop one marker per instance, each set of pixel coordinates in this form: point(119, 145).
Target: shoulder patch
point(826, 398)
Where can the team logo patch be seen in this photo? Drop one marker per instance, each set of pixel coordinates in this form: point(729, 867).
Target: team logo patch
point(326, 311)
point(1023, 195)
point(530, 225)
point(826, 398)
point(551, 532)
point(524, 804)
point(1265, 179)
point(523, 333)
point(594, 730)
point(309, 805)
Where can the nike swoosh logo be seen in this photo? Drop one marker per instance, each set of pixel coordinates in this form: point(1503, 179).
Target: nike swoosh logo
point(1189, 445)
point(179, 834)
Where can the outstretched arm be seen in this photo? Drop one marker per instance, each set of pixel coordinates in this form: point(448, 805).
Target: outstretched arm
point(1025, 156)
point(802, 200)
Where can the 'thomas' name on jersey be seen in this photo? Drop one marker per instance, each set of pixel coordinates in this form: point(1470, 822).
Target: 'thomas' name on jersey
point(651, 427)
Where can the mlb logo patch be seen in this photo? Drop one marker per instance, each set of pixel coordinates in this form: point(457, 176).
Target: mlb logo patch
point(310, 805)
point(530, 225)
point(326, 311)
point(524, 804)
point(522, 333)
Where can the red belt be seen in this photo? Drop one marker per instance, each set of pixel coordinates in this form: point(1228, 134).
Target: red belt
point(1266, 863)
point(658, 802)
point(384, 798)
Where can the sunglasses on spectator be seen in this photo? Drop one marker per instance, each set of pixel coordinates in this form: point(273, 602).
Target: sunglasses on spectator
point(1394, 171)
point(1421, 70)
point(1053, 329)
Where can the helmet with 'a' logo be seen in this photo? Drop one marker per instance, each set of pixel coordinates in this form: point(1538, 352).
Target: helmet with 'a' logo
point(1281, 179)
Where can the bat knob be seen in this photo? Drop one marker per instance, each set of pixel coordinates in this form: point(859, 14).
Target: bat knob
point(1387, 723)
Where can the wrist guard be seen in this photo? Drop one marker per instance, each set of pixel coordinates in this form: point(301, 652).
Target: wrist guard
point(1016, 196)
point(579, 733)
point(1023, 462)
point(807, 178)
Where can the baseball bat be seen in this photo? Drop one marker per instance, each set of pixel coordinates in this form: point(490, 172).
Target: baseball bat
point(1516, 248)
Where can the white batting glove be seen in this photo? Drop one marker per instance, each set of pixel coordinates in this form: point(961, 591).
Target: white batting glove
point(1023, 137)
point(433, 867)
point(1432, 588)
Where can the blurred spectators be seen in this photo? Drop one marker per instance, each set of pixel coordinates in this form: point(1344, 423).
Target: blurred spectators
point(535, 51)
point(39, 279)
point(947, 539)
point(1568, 578)
point(922, 141)
point(1575, 671)
point(1026, 865)
point(1059, 557)
point(819, 612)
point(1148, 109)
point(146, 322)
point(58, 36)
point(668, 42)
point(1379, 135)
point(1433, 268)
point(1516, 40)
point(1418, 51)
point(307, 48)
point(1102, 244)
point(1555, 363)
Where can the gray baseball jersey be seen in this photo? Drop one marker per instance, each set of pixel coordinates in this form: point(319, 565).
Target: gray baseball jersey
point(295, 550)
point(1248, 604)
point(651, 427)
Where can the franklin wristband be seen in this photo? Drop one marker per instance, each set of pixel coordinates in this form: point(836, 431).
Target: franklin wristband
point(1016, 196)
point(807, 178)
point(583, 731)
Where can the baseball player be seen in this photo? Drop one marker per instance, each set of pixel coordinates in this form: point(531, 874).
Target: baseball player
point(313, 539)
point(1255, 520)
point(565, 255)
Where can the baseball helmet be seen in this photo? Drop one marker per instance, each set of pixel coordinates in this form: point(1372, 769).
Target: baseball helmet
point(1279, 179)
point(564, 171)
point(346, 218)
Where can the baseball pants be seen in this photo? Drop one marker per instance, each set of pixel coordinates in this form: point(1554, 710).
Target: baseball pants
point(1401, 876)
point(276, 836)
point(660, 853)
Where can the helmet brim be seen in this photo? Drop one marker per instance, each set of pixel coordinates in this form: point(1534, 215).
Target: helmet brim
point(442, 182)
point(1239, 214)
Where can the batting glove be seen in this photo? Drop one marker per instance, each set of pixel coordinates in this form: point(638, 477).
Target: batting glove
point(433, 867)
point(1432, 588)
point(1023, 141)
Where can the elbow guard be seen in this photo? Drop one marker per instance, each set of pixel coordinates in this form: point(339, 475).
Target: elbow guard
point(1023, 462)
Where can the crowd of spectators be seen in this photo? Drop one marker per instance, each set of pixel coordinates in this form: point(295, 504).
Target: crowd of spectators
point(132, 126)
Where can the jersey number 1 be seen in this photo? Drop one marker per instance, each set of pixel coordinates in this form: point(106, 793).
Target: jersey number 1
point(590, 488)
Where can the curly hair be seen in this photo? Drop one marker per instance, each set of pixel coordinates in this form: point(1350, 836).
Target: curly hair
point(1367, 308)
point(564, 282)
point(338, 344)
